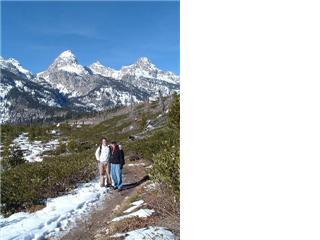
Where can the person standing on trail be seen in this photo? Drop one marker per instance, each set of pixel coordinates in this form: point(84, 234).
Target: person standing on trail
point(103, 156)
point(122, 162)
point(116, 170)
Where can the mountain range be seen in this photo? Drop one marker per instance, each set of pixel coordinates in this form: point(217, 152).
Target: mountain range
point(68, 87)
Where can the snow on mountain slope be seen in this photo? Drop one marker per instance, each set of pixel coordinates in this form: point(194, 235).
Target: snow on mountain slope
point(144, 68)
point(13, 65)
point(4, 103)
point(98, 68)
point(67, 62)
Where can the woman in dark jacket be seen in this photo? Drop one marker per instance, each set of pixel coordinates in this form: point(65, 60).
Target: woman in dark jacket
point(116, 163)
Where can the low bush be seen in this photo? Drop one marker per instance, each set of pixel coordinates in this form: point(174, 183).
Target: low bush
point(31, 183)
point(166, 168)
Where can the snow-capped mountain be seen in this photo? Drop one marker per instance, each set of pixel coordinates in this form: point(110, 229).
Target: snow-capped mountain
point(143, 68)
point(67, 75)
point(66, 62)
point(68, 86)
point(22, 99)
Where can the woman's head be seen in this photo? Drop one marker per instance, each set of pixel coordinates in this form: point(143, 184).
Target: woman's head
point(104, 141)
point(114, 146)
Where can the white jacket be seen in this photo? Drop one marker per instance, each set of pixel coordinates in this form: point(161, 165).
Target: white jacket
point(104, 153)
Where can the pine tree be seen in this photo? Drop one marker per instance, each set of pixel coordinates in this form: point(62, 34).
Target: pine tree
point(163, 107)
point(174, 113)
point(16, 156)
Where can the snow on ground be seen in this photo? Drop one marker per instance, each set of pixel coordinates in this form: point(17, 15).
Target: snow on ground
point(154, 233)
point(143, 213)
point(151, 186)
point(135, 164)
point(135, 205)
point(56, 218)
point(32, 150)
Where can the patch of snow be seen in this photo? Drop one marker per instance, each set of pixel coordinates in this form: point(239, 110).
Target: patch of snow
point(151, 186)
point(73, 69)
point(136, 205)
point(98, 68)
point(32, 151)
point(18, 83)
point(49, 102)
point(62, 88)
point(142, 213)
point(154, 233)
point(4, 103)
point(4, 90)
point(58, 216)
point(135, 164)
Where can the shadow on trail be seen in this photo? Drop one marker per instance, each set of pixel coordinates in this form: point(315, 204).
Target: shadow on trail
point(135, 184)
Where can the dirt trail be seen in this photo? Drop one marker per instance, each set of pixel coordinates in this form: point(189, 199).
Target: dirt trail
point(96, 221)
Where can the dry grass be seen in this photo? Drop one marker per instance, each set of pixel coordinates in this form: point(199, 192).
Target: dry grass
point(125, 205)
point(164, 202)
point(35, 208)
point(131, 224)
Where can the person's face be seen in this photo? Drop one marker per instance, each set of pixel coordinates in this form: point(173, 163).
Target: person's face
point(104, 142)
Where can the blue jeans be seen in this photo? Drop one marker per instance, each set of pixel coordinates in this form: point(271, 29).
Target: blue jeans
point(116, 173)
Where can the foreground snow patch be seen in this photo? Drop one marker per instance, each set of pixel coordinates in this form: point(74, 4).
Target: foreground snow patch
point(154, 233)
point(135, 205)
point(152, 186)
point(58, 215)
point(135, 164)
point(142, 213)
point(32, 150)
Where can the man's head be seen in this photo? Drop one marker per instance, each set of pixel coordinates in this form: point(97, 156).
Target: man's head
point(104, 141)
point(114, 143)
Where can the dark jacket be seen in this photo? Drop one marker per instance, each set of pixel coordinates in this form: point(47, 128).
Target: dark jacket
point(116, 157)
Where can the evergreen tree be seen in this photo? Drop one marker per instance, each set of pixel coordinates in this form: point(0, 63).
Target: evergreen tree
point(16, 157)
point(163, 107)
point(174, 113)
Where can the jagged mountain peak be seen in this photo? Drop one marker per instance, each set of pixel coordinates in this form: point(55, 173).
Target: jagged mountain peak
point(97, 63)
point(67, 62)
point(13, 64)
point(144, 63)
point(67, 54)
point(144, 60)
point(98, 68)
point(66, 57)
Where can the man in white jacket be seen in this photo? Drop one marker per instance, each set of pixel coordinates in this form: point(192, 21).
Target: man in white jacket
point(103, 154)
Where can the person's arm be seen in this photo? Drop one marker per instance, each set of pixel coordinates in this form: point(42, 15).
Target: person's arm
point(122, 158)
point(97, 154)
point(122, 155)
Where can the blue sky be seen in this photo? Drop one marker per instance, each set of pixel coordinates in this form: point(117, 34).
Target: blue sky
point(116, 33)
